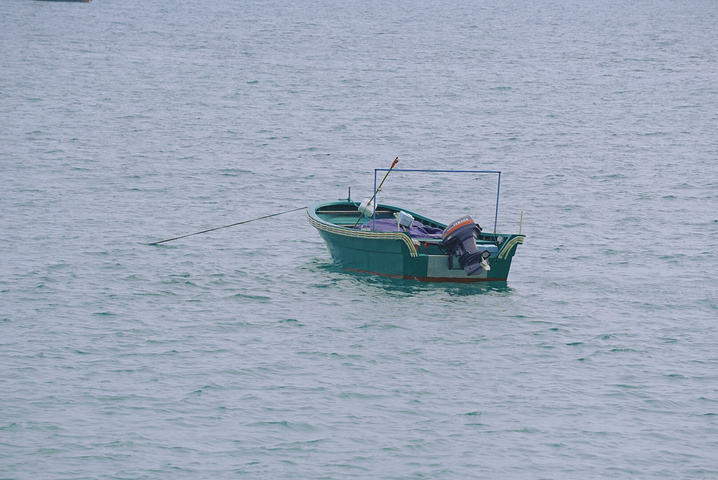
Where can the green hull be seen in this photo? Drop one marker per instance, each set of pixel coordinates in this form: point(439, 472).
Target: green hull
point(396, 254)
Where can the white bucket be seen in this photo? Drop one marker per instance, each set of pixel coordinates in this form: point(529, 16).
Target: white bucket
point(366, 208)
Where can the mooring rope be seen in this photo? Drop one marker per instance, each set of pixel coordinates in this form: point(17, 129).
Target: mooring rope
point(226, 226)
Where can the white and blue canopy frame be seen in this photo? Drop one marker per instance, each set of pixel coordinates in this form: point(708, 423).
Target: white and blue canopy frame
point(487, 172)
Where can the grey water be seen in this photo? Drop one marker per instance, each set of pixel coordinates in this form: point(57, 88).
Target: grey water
point(244, 352)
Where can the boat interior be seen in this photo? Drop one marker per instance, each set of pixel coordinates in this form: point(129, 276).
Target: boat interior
point(347, 213)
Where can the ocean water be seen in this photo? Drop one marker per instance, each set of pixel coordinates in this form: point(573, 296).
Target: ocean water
point(244, 353)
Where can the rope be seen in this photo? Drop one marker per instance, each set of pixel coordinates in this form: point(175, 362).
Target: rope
point(226, 226)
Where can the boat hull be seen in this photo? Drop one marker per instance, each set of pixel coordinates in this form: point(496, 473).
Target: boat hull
point(396, 254)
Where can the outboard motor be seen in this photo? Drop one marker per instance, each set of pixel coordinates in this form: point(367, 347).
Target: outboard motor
point(460, 239)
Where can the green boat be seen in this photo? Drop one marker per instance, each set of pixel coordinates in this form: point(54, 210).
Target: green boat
point(374, 238)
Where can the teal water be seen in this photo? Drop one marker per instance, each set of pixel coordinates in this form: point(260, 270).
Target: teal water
point(244, 352)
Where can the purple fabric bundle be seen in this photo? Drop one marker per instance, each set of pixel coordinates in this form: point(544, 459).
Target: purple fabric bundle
point(416, 230)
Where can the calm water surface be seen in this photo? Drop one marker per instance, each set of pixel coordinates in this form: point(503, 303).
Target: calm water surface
point(245, 352)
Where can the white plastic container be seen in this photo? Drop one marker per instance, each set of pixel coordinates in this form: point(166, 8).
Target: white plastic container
point(366, 208)
point(405, 220)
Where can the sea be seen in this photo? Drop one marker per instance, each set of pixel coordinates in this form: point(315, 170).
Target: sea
point(244, 352)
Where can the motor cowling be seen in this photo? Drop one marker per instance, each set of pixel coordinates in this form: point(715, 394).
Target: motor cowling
point(459, 238)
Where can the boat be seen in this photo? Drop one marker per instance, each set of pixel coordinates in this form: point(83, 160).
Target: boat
point(374, 238)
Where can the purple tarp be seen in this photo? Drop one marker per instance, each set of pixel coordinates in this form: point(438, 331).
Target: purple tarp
point(416, 230)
